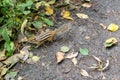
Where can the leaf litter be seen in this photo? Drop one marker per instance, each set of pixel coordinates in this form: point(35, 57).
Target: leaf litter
point(110, 42)
point(60, 56)
point(24, 53)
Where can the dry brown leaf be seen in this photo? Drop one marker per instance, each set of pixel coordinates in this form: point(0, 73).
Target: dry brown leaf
point(84, 73)
point(60, 56)
point(71, 55)
point(66, 15)
point(74, 60)
point(87, 5)
point(82, 16)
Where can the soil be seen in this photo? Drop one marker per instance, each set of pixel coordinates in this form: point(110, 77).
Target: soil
point(84, 33)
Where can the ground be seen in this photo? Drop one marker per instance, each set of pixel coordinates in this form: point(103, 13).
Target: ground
point(102, 11)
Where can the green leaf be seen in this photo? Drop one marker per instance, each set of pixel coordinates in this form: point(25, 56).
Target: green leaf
point(84, 51)
point(5, 33)
point(48, 21)
point(11, 75)
point(37, 24)
point(65, 49)
point(26, 12)
point(10, 48)
point(108, 44)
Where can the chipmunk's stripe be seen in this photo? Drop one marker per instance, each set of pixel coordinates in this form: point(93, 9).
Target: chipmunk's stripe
point(44, 36)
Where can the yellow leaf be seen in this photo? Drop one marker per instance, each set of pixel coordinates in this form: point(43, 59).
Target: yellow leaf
point(87, 5)
point(49, 10)
point(66, 15)
point(111, 40)
point(4, 71)
point(113, 27)
point(35, 58)
point(83, 16)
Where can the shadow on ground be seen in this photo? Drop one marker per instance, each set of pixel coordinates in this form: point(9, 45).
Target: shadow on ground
point(102, 11)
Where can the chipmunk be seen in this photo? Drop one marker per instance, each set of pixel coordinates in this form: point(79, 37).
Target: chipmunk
point(47, 35)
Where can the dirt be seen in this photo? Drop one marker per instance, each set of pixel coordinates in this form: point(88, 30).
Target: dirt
point(102, 11)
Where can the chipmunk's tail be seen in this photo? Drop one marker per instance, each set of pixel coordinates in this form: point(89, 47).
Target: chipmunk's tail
point(61, 29)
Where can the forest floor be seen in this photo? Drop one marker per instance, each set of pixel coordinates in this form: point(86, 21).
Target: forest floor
point(84, 33)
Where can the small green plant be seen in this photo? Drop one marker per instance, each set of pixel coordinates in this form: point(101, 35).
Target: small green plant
point(12, 14)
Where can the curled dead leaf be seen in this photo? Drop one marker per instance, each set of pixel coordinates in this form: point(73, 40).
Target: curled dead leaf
point(106, 65)
point(60, 56)
point(97, 59)
point(74, 60)
point(23, 26)
point(111, 40)
point(103, 26)
point(85, 73)
point(71, 55)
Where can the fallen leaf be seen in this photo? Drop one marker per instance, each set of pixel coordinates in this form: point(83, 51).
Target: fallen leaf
point(60, 56)
point(113, 27)
point(23, 27)
point(66, 15)
point(82, 16)
point(24, 51)
point(65, 49)
point(35, 58)
point(11, 75)
point(13, 59)
point(71, 55)
point(20, 78)
point(49, 10)
point(97, 59)
point(110, 42)
point(84, 51)
point(2, 55)
point(84, 73)
point(106, 65)
point(87, 5)
point(74, 60)
point(103, 26)
point(3, 71)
